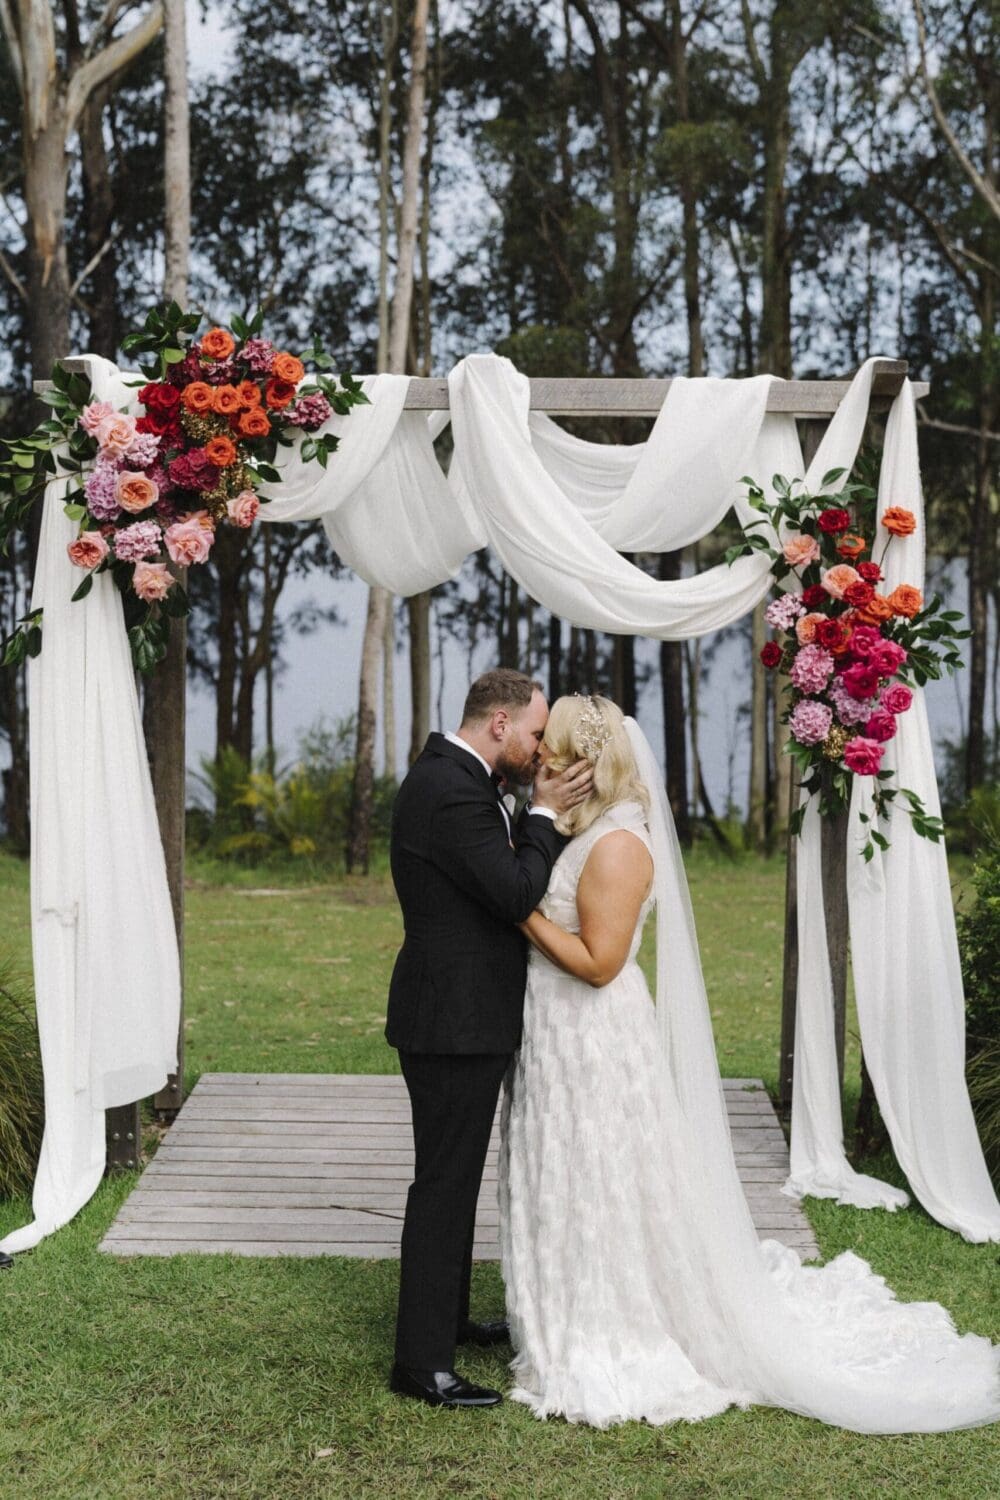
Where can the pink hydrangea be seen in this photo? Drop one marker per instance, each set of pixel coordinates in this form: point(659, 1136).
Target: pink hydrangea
point(309, 413)
point(99, 488)
point(811, 669)
point(782, 612)
point(865, 640)
point(861, 680)
point(810, 721)
point(881, 726)
point(134, 543)
point(259, 355)
point(896, 698)
point(143, 450)
point(850, 711)
point(863, 756)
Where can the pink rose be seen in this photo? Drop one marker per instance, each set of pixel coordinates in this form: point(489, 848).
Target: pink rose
point(881, 726)
point(135, 492)
point(865, 640)
point(88, 550)
point(800, 551)
point(863, 756)
point(93, 415)
point(805, 628)
point(836, 580)
point(861, 681)
point(887, 658)
point(152, 581)
point(897, 699)
point(189, 541)
point(116, 433)
point(242, 508)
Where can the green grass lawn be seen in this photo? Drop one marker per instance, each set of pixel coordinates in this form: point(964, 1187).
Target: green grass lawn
point(203, 1377)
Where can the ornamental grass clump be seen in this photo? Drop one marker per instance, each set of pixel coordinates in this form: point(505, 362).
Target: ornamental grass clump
point(21, 1089)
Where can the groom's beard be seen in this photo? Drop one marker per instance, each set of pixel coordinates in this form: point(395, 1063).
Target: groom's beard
point(517, 772)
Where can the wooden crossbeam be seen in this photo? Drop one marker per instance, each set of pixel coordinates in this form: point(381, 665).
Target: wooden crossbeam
point(608, 396)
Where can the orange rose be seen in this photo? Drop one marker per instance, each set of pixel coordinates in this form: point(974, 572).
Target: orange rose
point(217, 344)
point(906, 600)
point(851, 546)
point(253, 424)
point(221, 451)
point(198, 396)
point(249, 393)
point(876, 611)
point(279, 393)
point(226, 400)
point(899, 521)
point(287, 367)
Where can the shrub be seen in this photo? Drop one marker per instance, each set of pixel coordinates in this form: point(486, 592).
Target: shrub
point(984, 1091)
point(22, 1108)
point(979, 944)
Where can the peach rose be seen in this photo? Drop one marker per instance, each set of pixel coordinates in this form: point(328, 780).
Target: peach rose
point(805, 628)
point(198, 396)
point(876, 611)
point(249, 393)
point(279, 393)
point(135, 492)
point(253, 423)
point(288, 368)
point(835, 580)
point(226, 400)
point(189, 541)
point(800, 551)
point(221, 451)
point(899, 521)
point(116, 433)
point(851, 546)
point(88, 550)
point(152, 581)
point(906, 600)
point(242, 508)
point(216, 344)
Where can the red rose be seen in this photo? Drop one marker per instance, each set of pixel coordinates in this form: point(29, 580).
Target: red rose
point(833, 521)
point(833, 634)
point(859, 594)
point(161, 426)
point(870, 571)
point(162, 400)
point(771, 654)
point(814, 596)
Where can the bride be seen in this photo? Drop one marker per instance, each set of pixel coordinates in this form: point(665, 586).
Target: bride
point(636, 1285)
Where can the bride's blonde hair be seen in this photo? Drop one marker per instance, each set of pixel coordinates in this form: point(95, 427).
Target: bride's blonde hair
point(593, 729)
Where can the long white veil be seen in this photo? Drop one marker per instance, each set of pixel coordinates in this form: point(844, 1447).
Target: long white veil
point(831, 1342)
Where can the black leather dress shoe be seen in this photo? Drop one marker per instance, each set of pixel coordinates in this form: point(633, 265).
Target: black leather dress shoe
point(484, 1334)
point(441, 1388)
point(6, 1261)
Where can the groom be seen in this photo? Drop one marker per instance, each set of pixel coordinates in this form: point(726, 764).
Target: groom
point(464, 877)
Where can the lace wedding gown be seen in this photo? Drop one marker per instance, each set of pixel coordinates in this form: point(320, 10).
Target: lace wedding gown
point(636, 1286)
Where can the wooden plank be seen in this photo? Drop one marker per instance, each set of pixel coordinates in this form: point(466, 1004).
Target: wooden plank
point(609, 396)
point(305, 1250)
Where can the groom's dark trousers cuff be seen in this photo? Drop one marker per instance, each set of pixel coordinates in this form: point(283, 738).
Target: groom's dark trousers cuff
point(453, 1099)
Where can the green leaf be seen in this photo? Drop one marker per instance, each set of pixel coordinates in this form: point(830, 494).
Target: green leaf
point(84, 589)
point(173, 356)
point(831, 477)
point(74, 512)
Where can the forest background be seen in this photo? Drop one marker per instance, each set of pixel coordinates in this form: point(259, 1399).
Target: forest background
point(605, 187)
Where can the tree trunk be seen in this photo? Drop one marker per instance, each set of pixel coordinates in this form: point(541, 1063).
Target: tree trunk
point(389, 689)
point(99, 291)
point(674, 726)
point(510, 640)
point(364, 767)
point(177, 154)
point(419, 612)
point(982, 544)
point(555, 658)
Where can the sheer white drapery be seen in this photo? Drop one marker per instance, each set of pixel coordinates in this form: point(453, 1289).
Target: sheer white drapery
point(555, 509)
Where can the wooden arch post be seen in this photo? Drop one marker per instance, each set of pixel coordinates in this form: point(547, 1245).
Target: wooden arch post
point(811, 402)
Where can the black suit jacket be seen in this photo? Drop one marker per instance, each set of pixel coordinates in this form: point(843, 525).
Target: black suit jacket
point(458, 983)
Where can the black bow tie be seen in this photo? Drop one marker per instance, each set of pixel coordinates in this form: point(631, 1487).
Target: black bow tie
point(496, 779)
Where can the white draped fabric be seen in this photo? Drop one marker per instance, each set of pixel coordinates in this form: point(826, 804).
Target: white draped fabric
point(558, 512)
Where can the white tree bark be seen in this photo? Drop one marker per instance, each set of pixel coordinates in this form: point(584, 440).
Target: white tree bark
point(177, 155)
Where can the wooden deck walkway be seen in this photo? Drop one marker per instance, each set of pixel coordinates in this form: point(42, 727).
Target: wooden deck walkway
point(318, 1164)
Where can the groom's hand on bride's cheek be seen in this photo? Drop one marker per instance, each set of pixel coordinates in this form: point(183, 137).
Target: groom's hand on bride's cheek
point(562, 790)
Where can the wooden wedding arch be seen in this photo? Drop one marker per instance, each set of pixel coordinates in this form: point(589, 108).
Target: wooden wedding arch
point(813, 404)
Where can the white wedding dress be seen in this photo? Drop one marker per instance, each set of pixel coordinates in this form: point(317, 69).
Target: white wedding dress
point(636, 1285)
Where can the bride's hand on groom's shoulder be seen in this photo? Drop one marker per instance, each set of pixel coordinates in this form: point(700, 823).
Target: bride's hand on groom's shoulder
point(562, 790)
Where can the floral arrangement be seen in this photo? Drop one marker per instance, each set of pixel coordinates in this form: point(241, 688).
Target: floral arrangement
point(852, 654)
point(150, 491)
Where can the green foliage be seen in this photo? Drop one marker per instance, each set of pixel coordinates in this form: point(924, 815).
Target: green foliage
point(299, 812)
point(984, 1091)
point(979, 944)
point(21, 1093)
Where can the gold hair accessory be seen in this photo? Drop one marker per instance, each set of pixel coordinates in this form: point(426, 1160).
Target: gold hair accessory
point(592, 733)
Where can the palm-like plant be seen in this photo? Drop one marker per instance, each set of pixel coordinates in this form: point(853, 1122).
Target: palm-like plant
point(22, 1109)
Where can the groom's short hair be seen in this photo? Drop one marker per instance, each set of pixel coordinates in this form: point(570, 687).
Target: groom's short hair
point(501, 688)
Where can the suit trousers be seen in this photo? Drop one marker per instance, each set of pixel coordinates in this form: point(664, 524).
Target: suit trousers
point(453, 1099)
